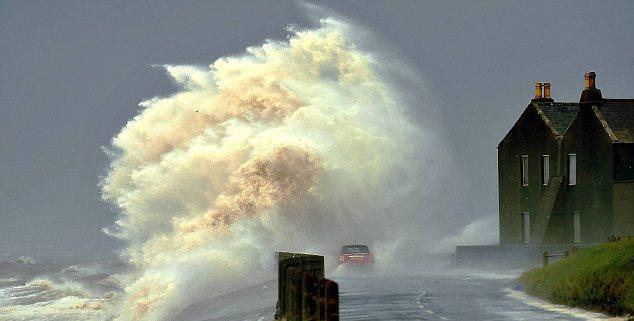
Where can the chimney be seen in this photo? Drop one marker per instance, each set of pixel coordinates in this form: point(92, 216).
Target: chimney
point(542, 92)
point(590, 93)
point(590, 80)
point(546, 86)
point(538, 91)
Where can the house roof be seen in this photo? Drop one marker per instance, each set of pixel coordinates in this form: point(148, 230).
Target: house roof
point(616, 116)
point(619, 115)
point(557, 115)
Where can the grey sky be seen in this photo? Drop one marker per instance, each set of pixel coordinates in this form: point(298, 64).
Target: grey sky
point(73, 72)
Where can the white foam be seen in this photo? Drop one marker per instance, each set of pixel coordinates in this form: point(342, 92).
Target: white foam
point(545, 305)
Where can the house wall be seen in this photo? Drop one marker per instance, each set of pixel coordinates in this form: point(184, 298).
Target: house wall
point(623, 189)
point(530, 136)
point(623, 208)
point(592, 195)
point(559, 229)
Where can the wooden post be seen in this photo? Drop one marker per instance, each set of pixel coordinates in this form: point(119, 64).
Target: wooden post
point(303, 293)
point(293, 293)
point(302, 263)
point(328, 301)
point(332, 301)
point(310, 293)
point(545, 259)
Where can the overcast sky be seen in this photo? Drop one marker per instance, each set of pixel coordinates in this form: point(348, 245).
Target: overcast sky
point(73, 72)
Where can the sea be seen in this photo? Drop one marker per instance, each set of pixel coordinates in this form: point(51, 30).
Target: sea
point(59, 289)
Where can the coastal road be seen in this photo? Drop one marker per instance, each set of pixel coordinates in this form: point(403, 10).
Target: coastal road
point(456, 296)
point(446, 297)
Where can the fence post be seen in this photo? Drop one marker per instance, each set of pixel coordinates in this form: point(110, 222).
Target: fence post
point(545, 259)
point(303, 293)
point(293, 293)
point(310, 287)
point(328, 302)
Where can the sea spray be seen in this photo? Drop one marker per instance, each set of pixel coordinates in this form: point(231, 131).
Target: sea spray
point(295, 145)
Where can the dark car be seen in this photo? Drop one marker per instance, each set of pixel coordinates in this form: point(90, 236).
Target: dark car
point(355, 255)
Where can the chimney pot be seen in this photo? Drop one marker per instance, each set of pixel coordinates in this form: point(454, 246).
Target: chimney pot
point(538, 90)
point(590, 80)
point(590, 93)
point(593, 77)
point(546, 86)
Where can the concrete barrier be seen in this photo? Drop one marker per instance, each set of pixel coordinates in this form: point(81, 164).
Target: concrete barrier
point(508, 256)
point(546, 256)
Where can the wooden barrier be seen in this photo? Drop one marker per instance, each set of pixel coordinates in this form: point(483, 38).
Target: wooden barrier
point(293, 294)
point(328, 301)
point(303, 292)
point(310, 296)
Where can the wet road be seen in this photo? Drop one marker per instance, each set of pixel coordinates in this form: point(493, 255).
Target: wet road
point(399, 298)
point(443, 297)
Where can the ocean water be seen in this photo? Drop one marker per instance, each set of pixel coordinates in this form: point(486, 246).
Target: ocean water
point(64, 289)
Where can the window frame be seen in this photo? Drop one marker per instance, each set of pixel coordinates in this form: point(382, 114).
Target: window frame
point(524, 163)
point(545, 169)
point(572, 169)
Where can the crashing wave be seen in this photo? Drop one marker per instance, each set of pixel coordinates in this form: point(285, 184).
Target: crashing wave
point(295, 145)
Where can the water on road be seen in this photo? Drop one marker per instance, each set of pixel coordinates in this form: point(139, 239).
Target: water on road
point(400, 298)
point(445, 297)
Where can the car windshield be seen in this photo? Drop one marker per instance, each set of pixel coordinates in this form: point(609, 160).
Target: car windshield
point(355, 249)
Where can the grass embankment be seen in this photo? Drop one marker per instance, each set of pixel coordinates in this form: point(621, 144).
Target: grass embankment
point(598, 278)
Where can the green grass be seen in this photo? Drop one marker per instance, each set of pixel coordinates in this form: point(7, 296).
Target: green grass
point(597, 278)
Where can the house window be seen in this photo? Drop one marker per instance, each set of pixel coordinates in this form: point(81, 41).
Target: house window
point(572, 169)
point(623, 162)
point(545, 169)
point(577, 226)
point(526, 228)
point(524, 170)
